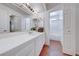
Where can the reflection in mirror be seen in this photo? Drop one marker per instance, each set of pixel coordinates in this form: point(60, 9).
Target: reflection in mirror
point(12, 23)
point(27, 24)
point(15, 23)
point(18, 23)
point(34, 24)
point(37, 24)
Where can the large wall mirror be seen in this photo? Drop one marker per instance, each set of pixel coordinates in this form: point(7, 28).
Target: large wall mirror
point(15, 23)
point(18, 24)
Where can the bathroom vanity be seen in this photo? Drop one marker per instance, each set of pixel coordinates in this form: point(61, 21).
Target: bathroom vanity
point(21, 43)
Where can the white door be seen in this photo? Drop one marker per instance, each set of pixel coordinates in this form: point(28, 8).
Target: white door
point(28, 24)
point(69, 29)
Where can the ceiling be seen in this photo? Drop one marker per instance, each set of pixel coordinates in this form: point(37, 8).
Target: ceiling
point(38, 7)
point(15, 8)
point(51, 5)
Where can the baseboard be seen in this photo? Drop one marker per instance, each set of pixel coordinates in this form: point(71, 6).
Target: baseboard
point(77, 54)
point(55, 39)
point(67, 54)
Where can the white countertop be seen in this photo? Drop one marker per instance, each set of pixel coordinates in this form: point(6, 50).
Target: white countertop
point(9, 41)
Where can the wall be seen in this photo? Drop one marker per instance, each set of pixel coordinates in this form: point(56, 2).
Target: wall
point(77, 29)
point(45, 17)
point(46, 27)
point(40, 20)
point(5, 12)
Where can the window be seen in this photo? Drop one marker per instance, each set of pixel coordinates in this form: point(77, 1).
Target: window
point(56, 21)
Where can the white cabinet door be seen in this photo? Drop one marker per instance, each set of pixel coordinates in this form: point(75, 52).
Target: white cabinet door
point(27, 51)
point(39, 42)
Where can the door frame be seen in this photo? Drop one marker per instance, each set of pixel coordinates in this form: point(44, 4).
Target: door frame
point(64, 48)
point(58, 7)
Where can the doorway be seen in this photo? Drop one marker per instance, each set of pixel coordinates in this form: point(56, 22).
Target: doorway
point(56, 33)
point(12, 25)
point(56, 25)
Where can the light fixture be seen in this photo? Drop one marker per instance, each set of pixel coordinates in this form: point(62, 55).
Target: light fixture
point(28, 3)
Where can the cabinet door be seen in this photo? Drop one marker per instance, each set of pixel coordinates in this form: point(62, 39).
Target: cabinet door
point(27, 51)
point(24, 49)
point(39, 42)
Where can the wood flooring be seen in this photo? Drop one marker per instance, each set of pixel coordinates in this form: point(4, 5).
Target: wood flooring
point(55, 49)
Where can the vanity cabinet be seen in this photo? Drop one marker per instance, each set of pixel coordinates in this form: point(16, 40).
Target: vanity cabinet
point(28, 50)
point(31, 47)
point(22, 50)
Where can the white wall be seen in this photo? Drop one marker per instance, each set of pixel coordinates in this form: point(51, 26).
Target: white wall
point(46, 27)
point(77, 29)
point(45, 17)
point(5, 12)
point(41, 20)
